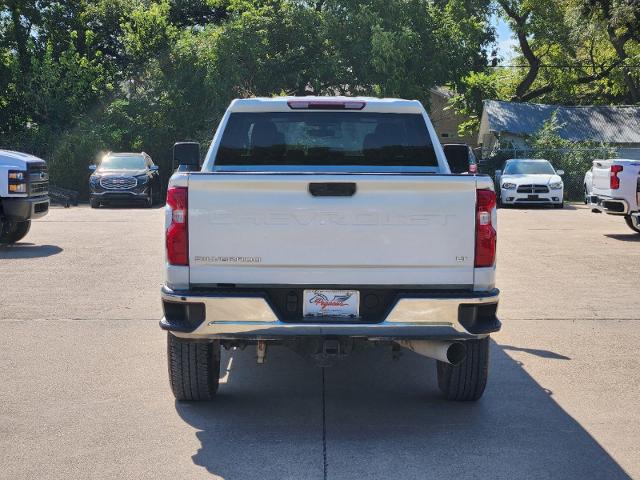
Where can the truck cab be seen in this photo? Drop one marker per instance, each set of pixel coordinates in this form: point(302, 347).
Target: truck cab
point(325, 224)
point(24, 188)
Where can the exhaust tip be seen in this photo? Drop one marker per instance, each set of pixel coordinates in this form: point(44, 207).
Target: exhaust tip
point(456, 353)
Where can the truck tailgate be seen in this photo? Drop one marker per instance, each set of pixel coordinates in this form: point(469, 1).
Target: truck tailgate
point(601, 173)
point(269, 229)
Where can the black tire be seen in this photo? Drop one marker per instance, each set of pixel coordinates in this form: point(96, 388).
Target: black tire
point(559, 205)
point(466, 382)
point(194, 368)
point(94, 203)
point(12, 232)
point(630, 224)
point(149, 202)
point(586, 196)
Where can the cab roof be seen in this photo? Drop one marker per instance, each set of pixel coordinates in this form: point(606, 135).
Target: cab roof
point(292, 104)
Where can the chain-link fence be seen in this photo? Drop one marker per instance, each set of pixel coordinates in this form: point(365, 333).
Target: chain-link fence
point(574, 161)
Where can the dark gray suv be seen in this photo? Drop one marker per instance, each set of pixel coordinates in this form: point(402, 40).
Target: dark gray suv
point(124, 177)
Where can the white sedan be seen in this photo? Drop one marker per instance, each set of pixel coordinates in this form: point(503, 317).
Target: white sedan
point(527, 181)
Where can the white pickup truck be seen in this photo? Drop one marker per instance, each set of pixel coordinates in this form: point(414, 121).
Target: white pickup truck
point(615, 189)
point(325, 224)
point(24, 188)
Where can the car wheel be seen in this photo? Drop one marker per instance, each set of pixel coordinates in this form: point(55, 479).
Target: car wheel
point(466, 381)
point(586, 196)
point(629, 222)
point(149, 202)
point(12, 232)
point(94, 203)
point(559, 205)
point(194, 368)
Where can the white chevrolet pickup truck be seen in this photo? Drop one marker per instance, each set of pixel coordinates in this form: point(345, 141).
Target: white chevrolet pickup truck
point(615, 189)
point(24, 188)
point(326, 224)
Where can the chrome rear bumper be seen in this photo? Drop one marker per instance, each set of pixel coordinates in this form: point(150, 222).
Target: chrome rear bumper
point(612, 206)
point(215, 315)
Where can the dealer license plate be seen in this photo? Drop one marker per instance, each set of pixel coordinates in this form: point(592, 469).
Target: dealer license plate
point(333, 303)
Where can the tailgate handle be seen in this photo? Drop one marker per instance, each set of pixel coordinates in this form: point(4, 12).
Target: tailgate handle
point(332, 189)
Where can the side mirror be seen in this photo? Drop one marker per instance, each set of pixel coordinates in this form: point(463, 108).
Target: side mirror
point(458, 157)
point(154, 168)
point(93, 167)
point(186, 156)
point(560, 172)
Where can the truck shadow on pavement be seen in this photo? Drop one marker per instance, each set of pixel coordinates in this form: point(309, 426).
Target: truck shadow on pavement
point(28, 250)
point(375, 418)
point(130, 206)
point(624, 237)
point(536, 351)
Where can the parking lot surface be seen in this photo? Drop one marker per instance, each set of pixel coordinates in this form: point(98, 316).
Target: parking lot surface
point(84, 391)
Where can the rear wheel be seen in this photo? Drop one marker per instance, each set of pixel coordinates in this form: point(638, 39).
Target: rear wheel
point(630, 224)
point(466, 381)
point(194, 368)
point(12, 232)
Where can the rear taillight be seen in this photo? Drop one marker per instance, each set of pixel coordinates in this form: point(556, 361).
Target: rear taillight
point(486, 235)
point(177, 236)
point(614, 181)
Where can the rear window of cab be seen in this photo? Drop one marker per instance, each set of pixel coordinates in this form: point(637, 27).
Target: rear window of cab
point(326, 139)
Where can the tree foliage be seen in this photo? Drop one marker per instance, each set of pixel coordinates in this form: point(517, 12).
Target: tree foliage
point(571, 52)
point(78, 77)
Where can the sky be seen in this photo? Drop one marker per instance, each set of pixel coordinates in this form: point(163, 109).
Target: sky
point(505, 40)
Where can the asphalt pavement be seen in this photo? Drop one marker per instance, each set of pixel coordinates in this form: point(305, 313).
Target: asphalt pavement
point(84, 390)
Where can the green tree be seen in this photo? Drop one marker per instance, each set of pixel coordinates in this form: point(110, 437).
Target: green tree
point(78, 77)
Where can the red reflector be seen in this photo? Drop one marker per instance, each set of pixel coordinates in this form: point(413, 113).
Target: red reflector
point(177, 240)
point(486, 235)
point(325, 105)
point(614, 181)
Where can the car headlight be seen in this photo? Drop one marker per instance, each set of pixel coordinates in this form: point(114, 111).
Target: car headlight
point(508, 186)
point(17, 181)
point(19, 188)
point(16, 175)
point(93, 180)
point(556, 186)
